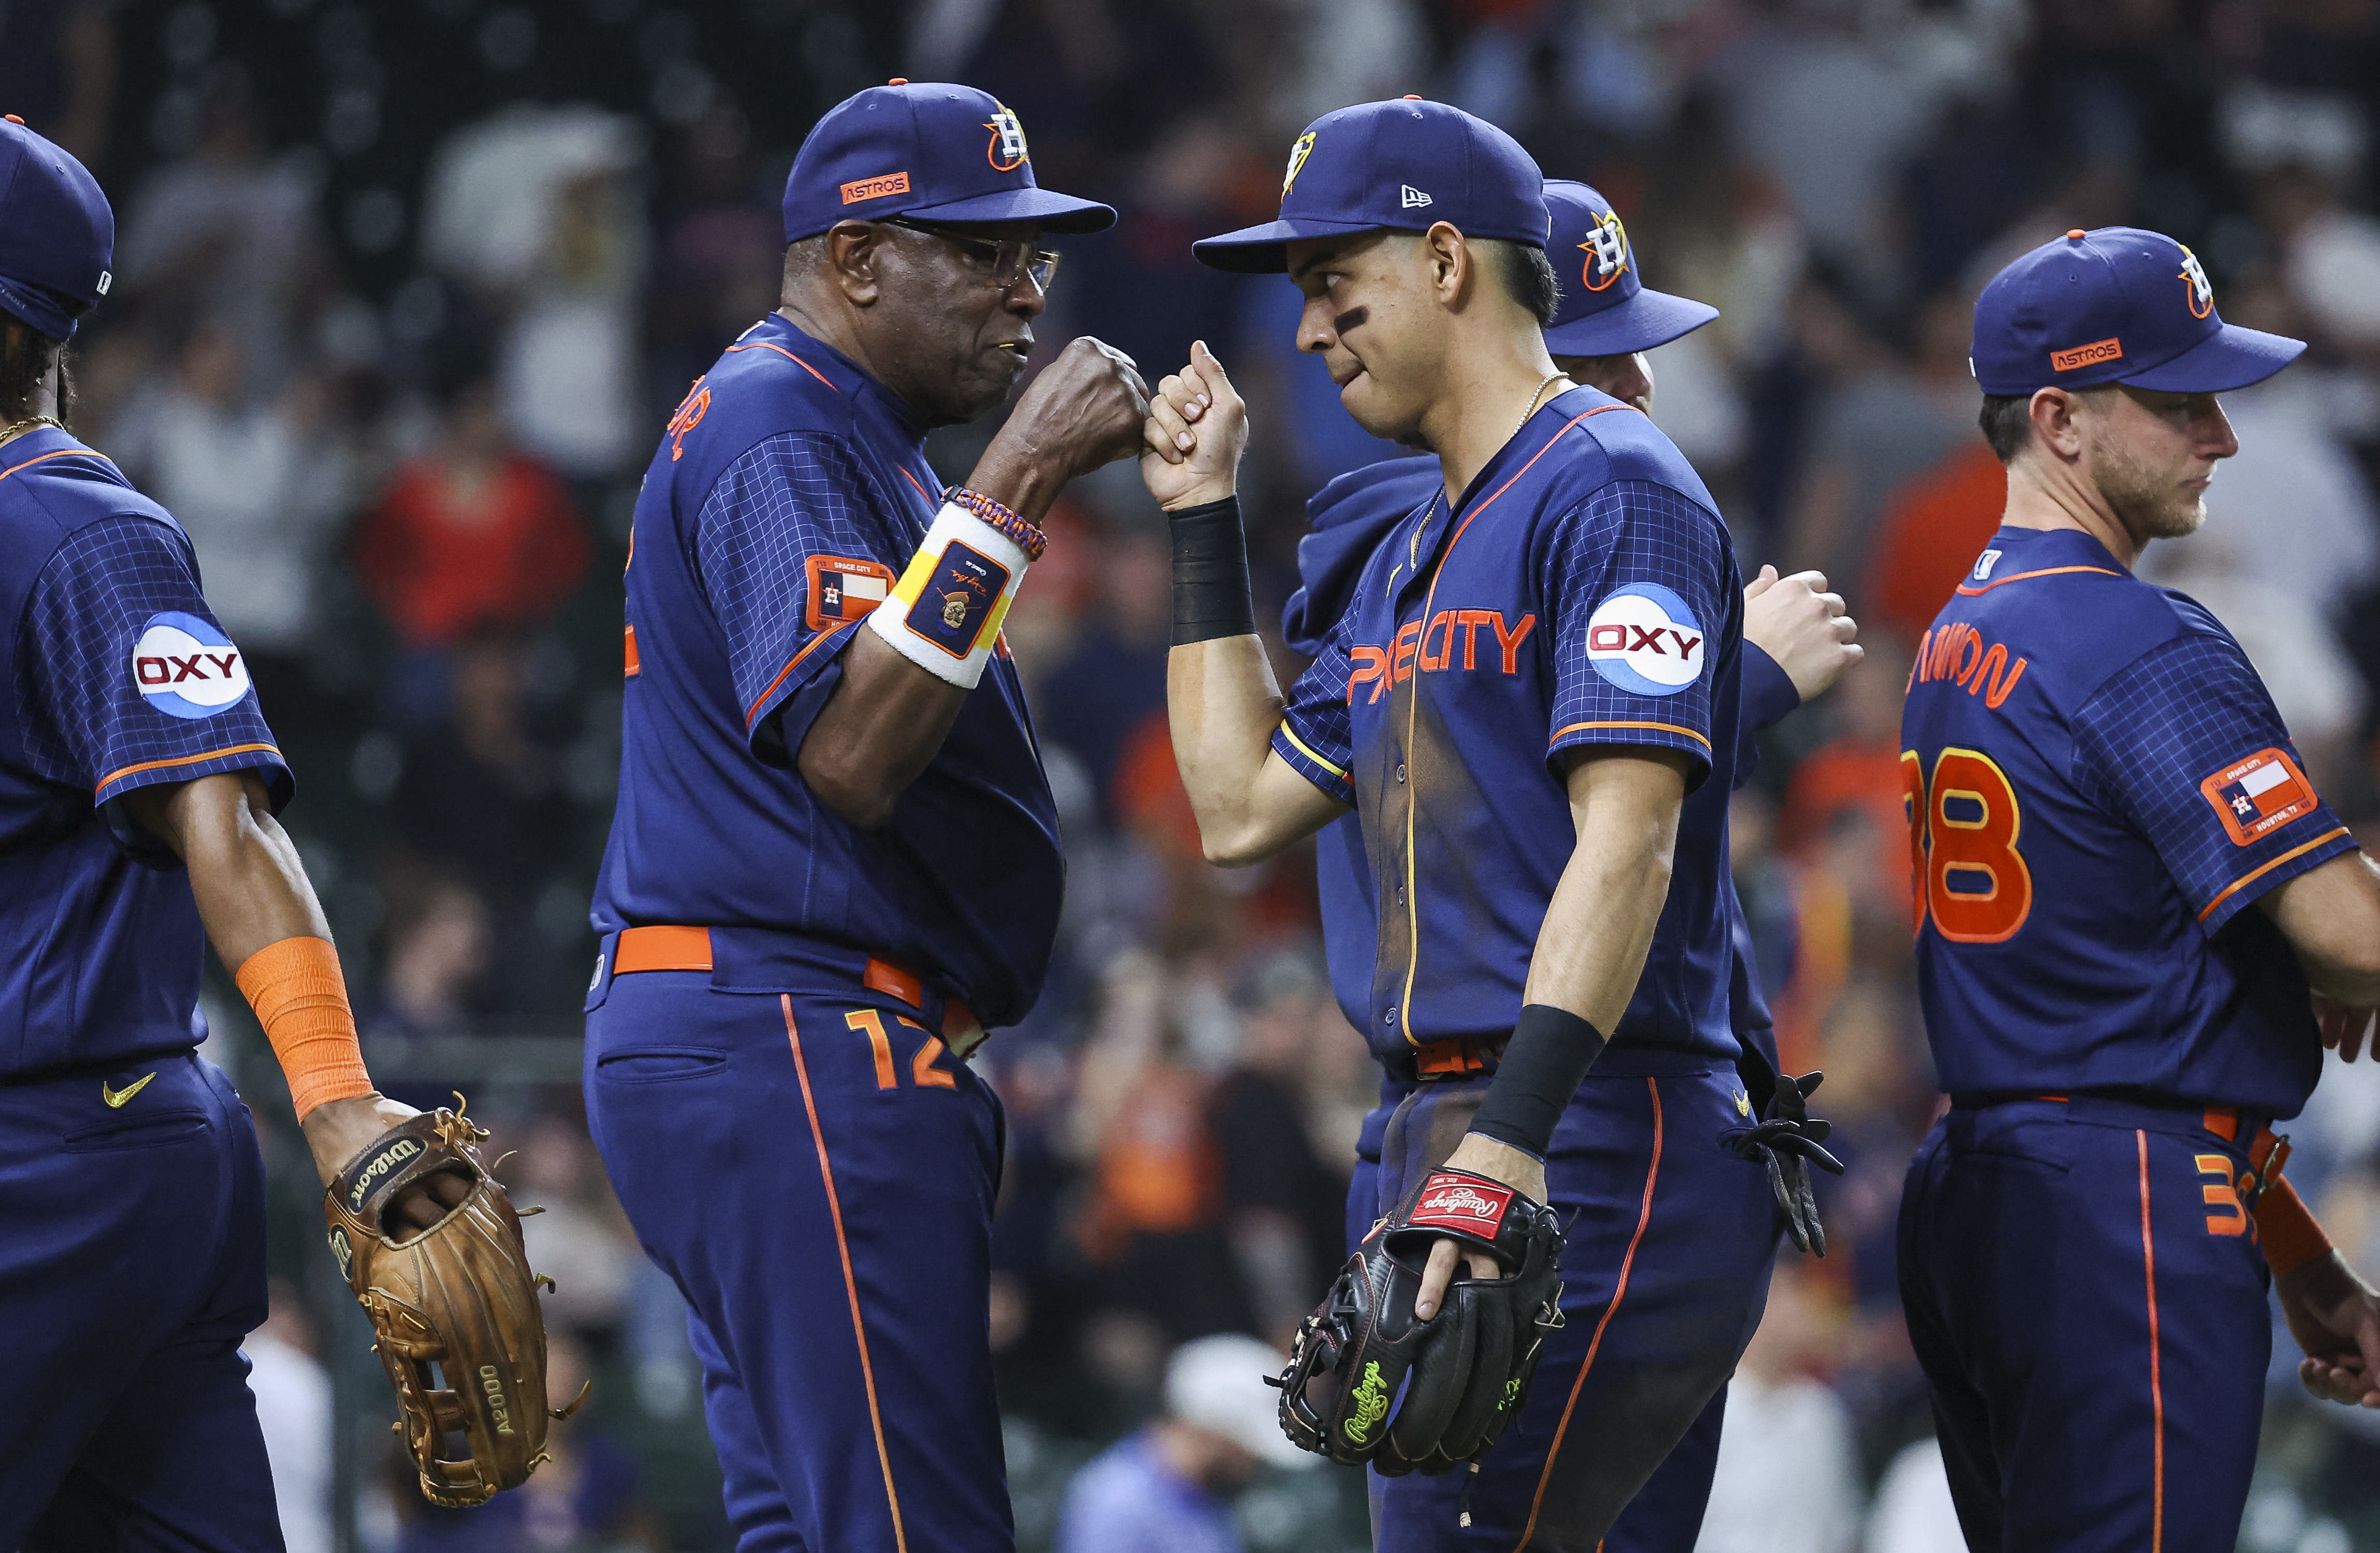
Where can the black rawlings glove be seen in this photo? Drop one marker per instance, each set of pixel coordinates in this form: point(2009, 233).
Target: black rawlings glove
point(1789, 1140)
point(1469, 1365)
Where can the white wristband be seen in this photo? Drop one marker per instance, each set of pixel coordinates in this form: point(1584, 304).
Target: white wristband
point(945, 613)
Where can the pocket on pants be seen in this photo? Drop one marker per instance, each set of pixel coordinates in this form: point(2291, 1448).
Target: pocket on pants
point(660, 1064)
point(161, 1130)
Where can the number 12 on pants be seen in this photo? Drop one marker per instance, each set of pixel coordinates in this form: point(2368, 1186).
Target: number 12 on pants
point(922, 1072)
point(1965, 871)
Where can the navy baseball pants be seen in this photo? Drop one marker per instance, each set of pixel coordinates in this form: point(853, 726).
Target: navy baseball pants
point(815, 1172)
point(2087, 1296)
point(1671, 1239)
point(131, 1266)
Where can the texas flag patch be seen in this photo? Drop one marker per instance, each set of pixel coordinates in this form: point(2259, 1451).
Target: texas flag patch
point(843, 589)
point(2258, 796)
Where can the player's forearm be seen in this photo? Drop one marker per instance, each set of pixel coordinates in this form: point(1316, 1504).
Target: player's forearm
point(877, 733)
point(1224, 704)
point(1598, 927)
point(250, 887)
point(2331, 916)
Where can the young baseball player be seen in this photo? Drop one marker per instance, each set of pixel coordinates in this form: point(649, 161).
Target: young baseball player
point(1531, 702)
point(834, 862)
point(1797, 640)
point(138, 788)
point(2124, 885)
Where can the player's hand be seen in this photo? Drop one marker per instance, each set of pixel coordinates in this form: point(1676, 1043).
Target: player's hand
point(1498, 1161)
point(1197, 427)
point(336, 1130)
point(2335, 1316)
point(2345, 1028)
point(1085, 409)
point(1798, 623)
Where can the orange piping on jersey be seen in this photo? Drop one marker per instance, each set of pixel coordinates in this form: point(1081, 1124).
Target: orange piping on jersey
point(1966, 591)
point(763, 345)
point(815, 643)
point(1627, 1261)
point(2156, 1373)
point(62, 453)
point(913, 481)
point(1662, 727)
point(635, 664)
point(2254, 874)
point(1429, 599)
point(850, 1284)
point(116, 776)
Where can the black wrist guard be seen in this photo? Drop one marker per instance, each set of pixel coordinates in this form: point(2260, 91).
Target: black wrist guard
point(1211, 594)
point(1543, 1066)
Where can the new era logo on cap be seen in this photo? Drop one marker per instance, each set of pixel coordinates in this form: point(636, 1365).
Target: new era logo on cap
point(1412, 198)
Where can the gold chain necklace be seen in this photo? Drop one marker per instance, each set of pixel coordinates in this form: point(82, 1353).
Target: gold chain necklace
point(1551, 378)
point(9, 431)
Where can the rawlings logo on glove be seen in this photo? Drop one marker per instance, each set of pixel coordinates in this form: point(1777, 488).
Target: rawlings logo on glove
point(1371, 1382)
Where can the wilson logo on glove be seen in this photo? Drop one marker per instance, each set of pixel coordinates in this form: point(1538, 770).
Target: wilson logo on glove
point(1451, 1202)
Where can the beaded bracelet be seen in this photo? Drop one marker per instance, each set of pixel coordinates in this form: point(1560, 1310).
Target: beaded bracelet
point(1025, 536)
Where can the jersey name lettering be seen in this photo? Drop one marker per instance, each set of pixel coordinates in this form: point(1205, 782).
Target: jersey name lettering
point(1432, 648)
point(1955, 654)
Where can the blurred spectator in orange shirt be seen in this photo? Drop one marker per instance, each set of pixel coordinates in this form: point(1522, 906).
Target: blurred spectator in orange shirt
point(473, 533)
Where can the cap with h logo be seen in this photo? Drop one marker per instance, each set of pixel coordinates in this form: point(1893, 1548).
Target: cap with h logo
point(929, 150)
point(57, 235)
point(2115, 305)
point(1606, 310)
point(1404, 166)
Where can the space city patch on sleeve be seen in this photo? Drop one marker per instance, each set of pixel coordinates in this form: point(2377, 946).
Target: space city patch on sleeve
point(957, 598)
point(843, 589)
point(185, 666)
point(1644, 638)
point(2257, 796)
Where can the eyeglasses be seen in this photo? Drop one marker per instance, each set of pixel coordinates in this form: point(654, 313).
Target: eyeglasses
point(1000, 262)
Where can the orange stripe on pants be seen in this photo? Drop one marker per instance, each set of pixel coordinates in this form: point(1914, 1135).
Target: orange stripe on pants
point(2156, 1375)
point(850, 1283)
point(1643, 1217)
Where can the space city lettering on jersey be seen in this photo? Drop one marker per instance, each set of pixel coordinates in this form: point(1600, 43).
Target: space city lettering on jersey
point(1955, 654)
point(186, 667)
point(1450, 639)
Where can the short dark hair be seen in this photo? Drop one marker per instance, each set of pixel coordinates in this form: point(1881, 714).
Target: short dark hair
point(2006, 421)
point(1528, 277)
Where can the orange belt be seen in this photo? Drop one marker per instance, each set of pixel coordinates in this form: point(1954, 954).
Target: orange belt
point(1460, 1055)
point(689, 948)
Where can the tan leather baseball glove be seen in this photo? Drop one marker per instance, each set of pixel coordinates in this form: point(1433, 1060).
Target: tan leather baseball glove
point(454, 1309)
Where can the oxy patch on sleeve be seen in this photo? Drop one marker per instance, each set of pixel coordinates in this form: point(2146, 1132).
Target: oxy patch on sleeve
point(1644, 638)
point(186, 667)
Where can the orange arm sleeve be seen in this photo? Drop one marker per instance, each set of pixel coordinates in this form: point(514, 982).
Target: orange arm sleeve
point(300, 998)
point(2290, 1236)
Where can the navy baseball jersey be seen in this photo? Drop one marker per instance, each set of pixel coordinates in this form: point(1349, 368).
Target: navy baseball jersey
point(1350, 517)
point(1583, 592)
point(2099, 788)
point(789, 492)
point(117, 678)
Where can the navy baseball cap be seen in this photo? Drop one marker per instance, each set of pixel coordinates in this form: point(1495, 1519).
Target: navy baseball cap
point(57, 235)
point(925, 149)
point(1404, 165)
point(2115, 305)
point(1607, 311)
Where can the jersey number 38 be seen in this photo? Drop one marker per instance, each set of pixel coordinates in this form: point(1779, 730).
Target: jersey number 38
point(1965, 871)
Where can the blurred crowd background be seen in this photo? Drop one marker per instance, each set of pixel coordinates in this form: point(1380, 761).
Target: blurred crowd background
point(405, 290)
